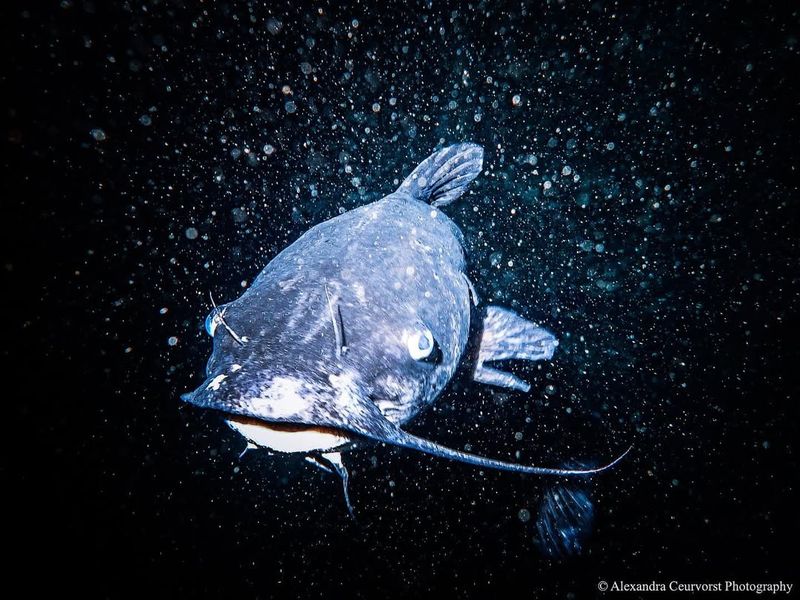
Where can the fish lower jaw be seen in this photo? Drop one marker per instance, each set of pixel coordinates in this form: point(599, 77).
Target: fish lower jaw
point(288, 438)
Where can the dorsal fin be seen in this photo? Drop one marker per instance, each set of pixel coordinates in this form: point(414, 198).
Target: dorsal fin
point(444, 175)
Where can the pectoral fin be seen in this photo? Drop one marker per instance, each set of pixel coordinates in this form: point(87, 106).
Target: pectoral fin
point(507, 336)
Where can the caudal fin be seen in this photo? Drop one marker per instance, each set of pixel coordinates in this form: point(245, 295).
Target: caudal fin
point(444, 175)
point(566, 514)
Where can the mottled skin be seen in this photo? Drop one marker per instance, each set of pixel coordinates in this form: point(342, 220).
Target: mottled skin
point(393, 267)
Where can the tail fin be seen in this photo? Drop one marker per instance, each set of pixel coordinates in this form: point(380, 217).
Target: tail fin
point(566, 514)
point(444, 175)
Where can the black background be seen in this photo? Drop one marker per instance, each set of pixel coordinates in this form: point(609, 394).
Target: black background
point(669, 271)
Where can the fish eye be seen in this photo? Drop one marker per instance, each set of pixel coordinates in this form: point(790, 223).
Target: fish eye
point(420, 344)
point(212, 320)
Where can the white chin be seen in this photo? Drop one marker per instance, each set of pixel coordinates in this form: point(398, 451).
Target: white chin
point(288, 439)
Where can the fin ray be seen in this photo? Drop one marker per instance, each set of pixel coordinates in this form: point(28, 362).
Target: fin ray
point(506, 336)
point(334, 459)
point(490, 376)
point(565, 521)
point(444, 176)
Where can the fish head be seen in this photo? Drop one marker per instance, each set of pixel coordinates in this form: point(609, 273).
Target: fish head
point(261, 370)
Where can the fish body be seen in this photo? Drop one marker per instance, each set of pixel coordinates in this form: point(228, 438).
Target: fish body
point(355, 328)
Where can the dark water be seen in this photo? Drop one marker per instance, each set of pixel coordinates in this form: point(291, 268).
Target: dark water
point(639, 197)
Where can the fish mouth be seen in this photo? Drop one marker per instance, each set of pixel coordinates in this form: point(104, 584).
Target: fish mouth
point(284, 435)
point(338, 431)
point(288, 437)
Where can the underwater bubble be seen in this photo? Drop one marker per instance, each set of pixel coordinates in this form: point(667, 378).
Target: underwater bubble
point(516, 100)
point(274, 26)
point(239, 215)
point(305, 68)
point(191, 233)
point(524, 515)
point(376, 107)
point(290, 106)
point(172, 341)
point(98, 134)
point(145, 120)
point(268, 149)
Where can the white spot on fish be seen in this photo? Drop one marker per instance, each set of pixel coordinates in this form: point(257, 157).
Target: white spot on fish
point(410, 271)
point(282, 397)
point(342, 383)
point(361, 293)
point(235, 368)
point(288, 284)
point(216, 382)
